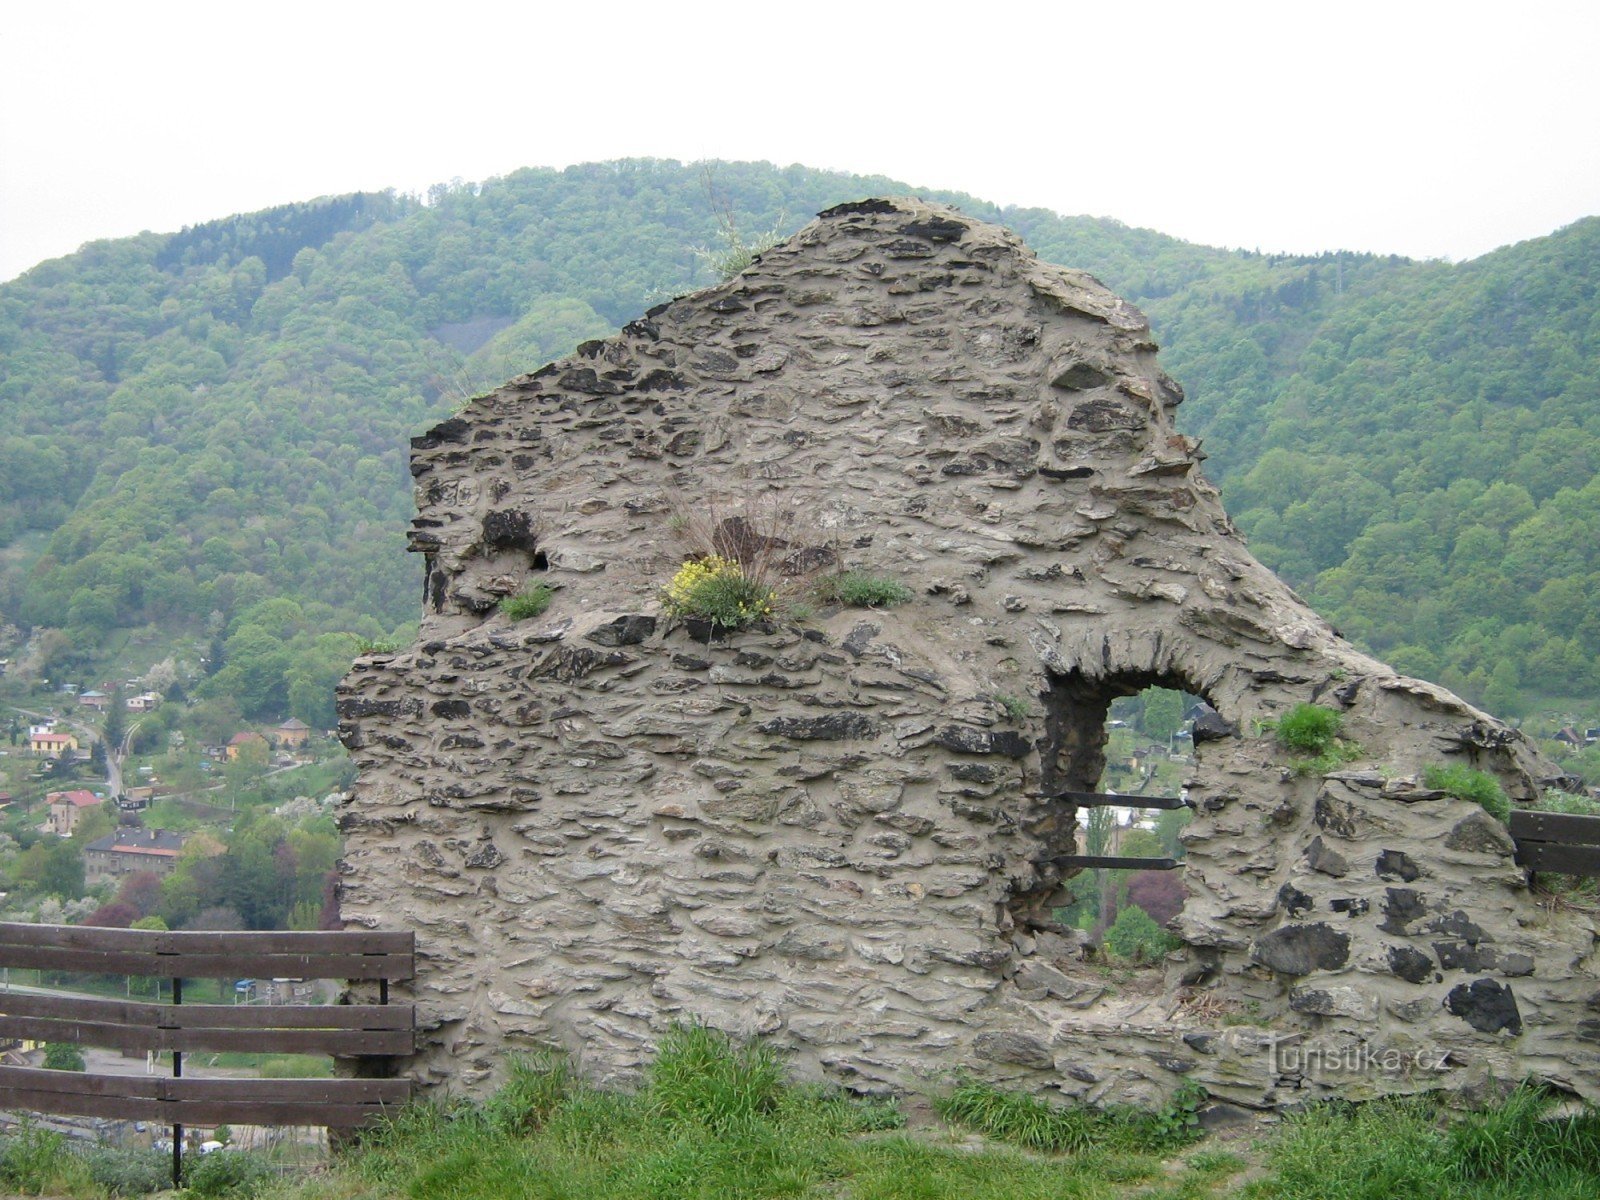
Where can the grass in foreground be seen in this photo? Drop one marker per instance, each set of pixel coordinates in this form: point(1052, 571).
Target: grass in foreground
point(718, 1120)
point(1393, 1148)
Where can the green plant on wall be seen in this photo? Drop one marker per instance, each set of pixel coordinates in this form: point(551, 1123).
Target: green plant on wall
point(1465, 783)
point(1016, 708)
point(716, 589)
point(862, 589)
point(1313, 732)
point(529, 602)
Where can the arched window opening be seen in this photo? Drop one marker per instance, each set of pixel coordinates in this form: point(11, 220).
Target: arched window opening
point(1131, 736)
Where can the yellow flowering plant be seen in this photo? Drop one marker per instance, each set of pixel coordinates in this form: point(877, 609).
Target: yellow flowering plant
point(716, 589)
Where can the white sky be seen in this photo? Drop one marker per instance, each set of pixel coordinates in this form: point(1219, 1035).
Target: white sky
point(1434, 130)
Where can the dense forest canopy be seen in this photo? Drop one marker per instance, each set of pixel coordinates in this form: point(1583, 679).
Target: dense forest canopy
point(203, 434)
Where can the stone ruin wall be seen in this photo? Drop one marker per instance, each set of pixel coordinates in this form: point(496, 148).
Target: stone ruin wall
point(830, 831)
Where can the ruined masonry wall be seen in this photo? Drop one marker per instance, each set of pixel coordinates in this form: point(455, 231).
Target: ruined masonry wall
point(833, 831)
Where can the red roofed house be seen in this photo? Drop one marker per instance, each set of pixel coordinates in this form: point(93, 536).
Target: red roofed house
point(52, 745)
point(66, 808)
point(129, 851)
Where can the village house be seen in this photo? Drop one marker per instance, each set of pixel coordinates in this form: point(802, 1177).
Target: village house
point(129, 851)
point(94, 699)
point(240, 740)
point(67, 809)
point(292, 733)
point(52, 745)
point(144, 702)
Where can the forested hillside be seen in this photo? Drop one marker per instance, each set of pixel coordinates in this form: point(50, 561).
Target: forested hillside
point(203, 434)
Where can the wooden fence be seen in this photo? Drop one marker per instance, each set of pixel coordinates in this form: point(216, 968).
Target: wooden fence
point(351, 1031)
point(1557, 842)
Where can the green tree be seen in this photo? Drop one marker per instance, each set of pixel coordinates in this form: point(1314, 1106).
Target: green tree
point(1163, 713)
point(63, 1056)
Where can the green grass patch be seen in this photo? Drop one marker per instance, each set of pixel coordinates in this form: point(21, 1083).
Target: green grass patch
point(1312, 732)
point(1465, 783)
point(862, 589)
point(1015, 707)
point(716, 1119)
point(1037, 1124)
point(1309, 728)
point(1393, 1148)
point(528, 603)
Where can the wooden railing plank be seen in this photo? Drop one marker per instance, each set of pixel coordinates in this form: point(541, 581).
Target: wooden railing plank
point(208, 1016)
point(1568, 829)
point(1107, 800)
point(333, 1102)
point(1567, 860)
point(349, 1031)
point(1115, 863)
point(202, 955)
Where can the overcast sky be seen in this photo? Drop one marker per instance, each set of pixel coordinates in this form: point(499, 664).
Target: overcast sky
point(1434, 130)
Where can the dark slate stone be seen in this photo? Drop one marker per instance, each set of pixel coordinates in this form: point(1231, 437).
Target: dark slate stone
point(570, 663)
point(991, 959)
point(1514, 964)
point(662, 380)
point(628, 630)
point(356, 707)
point(1326, 861)
point(831, 728)
point(1486, 1005)
point(936, 229)
point(1066, 472)
point(903, 248)
point(1010, 744)
point(1205, 1043)
point(973, 772)
point(1459, 956)
point(1401, 906)
point(1479, 833)
point(1294, 901)
point(704, 631)
point(1394, 864)
point(1301, 949)
point(1210, 726)
point(584, 379)
point(964, 739)
point(452, 430)
point(1103, 415)
point(486, 857)
point(509, 529)
point(859, 638)
point(1335, 817)
point(1410, 964)
point(1079, 376)
point(861, 207)
point(728, 305)
point(1460, 926)
point(1314, 1002)
point(688, 662)
point(1171, 1062)
point(797, 944)
point(1016, 1048)
point(1351, 906)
